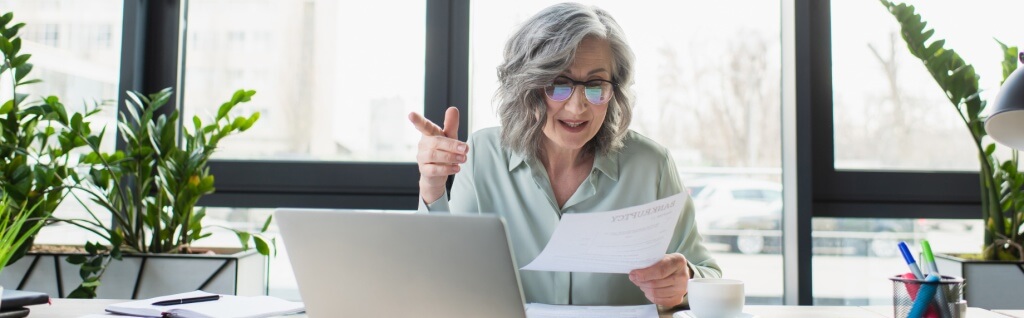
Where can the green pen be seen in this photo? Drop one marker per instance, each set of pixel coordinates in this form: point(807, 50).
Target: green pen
point(929, 258)
point(933, 270)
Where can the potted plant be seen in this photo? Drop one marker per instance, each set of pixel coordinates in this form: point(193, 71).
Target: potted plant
point(149, 189)
point(994, 276)
point(37, 141)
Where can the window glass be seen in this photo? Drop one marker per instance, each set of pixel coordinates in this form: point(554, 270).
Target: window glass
point(888, 111)
point(76, 52)
point(707, 88)
point(334, 79)
point(747, 195)
point(281, 280)
point(853, 258)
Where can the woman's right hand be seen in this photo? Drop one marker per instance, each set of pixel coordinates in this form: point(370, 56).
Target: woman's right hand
point(440, 153)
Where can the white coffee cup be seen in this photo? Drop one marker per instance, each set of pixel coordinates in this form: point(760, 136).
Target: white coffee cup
point(715, 297)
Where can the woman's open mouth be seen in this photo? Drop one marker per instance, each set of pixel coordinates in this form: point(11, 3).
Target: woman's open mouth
point(573, 126)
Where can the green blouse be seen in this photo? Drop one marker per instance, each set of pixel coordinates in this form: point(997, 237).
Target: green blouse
point(496, 181)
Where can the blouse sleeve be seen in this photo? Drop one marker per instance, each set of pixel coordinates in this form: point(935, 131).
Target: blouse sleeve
point(687, 240)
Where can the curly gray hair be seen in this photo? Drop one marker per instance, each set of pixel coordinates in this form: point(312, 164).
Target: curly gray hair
point(544, 47)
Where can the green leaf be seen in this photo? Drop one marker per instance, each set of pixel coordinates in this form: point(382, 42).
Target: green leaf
point(31, 81)
point(76, 121)
point(261, 245)
point(7, 107)
point(76, 259)
point(224, 109)
point(83, 293)
point(20, 59)
point(266, 224)
point(21, 71)
point(238, 123)
point(91, 284)
point(249, 122)
point(5, 46)
point(238, 96)
point(1009, 62)
point(243, 237)
point(6, 18)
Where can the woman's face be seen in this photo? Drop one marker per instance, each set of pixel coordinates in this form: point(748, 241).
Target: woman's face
point(573, 122)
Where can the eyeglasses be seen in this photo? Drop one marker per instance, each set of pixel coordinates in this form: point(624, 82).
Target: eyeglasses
point(597, 91)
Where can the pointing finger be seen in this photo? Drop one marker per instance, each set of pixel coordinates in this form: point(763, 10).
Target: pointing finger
point(425, 127)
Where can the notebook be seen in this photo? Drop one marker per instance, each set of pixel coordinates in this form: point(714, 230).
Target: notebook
point(14, 313)
point(15, 299)
point(13, 302)
point(360, 264)
point(228, 306)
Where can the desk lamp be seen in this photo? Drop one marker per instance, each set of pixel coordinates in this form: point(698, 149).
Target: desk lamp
point(1006, 124)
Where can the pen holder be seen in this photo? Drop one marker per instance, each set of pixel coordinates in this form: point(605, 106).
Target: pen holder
point(948, 291)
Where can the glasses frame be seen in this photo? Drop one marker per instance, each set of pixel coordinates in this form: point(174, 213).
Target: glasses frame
point(572, 89)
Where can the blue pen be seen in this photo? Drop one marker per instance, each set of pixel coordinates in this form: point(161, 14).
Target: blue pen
point(933, 270)
point(910, 260)
point(924, 295)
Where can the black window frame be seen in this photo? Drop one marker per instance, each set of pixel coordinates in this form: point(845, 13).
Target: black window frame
point(152, 59)
point(823, 190)
point(873, 193)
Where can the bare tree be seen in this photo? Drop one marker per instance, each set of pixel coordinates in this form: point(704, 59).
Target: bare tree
point(899, 126)
point(728, 108)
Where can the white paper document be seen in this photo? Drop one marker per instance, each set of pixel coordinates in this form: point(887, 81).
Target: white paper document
point(564, 311)
point(228, 306)
point(611, 242)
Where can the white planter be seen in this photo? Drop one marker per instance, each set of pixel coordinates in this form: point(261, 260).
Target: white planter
point(987, 284)
point(145, 275)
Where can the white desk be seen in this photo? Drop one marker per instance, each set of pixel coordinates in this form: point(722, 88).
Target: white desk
point(972, 312)
point(1011, 313)
point(71, 308)
point(810, 312)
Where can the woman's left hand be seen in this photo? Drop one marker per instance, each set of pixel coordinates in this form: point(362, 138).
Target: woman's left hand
point(664, 283)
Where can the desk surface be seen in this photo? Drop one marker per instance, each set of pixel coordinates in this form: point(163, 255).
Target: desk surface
point(71, 308)
point(1011, 313)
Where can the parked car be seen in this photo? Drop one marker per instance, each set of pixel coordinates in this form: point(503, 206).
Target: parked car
point(746, 216)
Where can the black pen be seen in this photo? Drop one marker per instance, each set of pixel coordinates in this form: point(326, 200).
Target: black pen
point(186, 300)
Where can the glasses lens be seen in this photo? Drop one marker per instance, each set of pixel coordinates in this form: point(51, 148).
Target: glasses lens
point(559, 92)
point(598, 92)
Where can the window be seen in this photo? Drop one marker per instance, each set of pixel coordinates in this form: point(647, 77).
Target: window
point(889, 112)
point(51, 34)
point(334, 79)
point(890, 157)
point(708, 90)
point(80, 75)
point(722, 129)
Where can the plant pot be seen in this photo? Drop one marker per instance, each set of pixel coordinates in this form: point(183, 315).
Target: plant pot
point(987, 284)
point(140, 276)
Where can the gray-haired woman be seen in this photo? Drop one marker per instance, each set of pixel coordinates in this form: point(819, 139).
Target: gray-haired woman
point(564, 147)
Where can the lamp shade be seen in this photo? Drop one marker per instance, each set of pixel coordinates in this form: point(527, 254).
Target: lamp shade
point(1006, 124)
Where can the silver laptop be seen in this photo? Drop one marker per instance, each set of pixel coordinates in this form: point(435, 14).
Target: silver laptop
point(372, 264)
